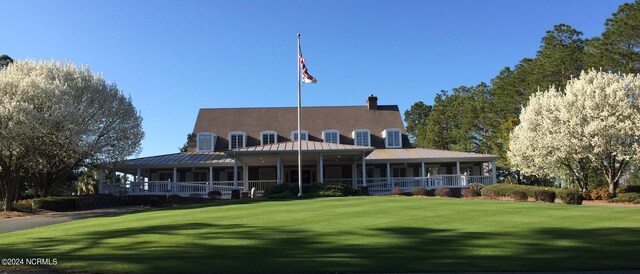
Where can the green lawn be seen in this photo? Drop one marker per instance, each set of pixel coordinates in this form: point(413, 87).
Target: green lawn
point(356, 234)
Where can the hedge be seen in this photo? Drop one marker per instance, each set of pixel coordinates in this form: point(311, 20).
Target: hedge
point(627, 198)
point(290, 190)
point(505, 190)
point(55, 203)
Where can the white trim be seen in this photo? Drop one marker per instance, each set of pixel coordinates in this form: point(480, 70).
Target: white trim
point(324, 137)
point(302, 132)
point(244, 138)
point(355, 140)
point(213, 141)
point(275, 139)
point(386, 140)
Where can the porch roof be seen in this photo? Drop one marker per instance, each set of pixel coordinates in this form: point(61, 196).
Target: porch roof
point(306, 146)
point(426, 155)
point(182, 159)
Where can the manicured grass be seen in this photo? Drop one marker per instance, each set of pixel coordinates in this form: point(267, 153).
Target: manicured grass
point(355, 234)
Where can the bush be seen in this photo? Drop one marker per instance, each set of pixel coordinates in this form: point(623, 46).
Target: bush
point(631, 189)
point(55, 203)
point(25, 205)
point(601, 193)
point(214, 194)
point(476, 186)
point(504, 190)
point(290, 190)
point(571, 197)
point(470, 193)
point(419, 191)
point(397, 191)
point(519, 196)
point(627, 198)
point(443, 192)
point(144, 199)
point(544, 195)
point(155, 202)
point(489, 193)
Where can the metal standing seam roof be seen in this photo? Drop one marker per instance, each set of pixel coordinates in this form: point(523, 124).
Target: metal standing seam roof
point(306, 146)
point(427, 154)
point(180, 159)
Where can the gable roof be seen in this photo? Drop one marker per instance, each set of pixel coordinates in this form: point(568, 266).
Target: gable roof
point(283, 120)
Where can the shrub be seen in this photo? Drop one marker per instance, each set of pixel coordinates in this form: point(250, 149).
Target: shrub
point(571, 197)
point(627, 198)
point(336, 191)
point(214, 194)
point(519, 196)
point(25, 205)
point(143, 199)
point(544, 195)
point(419, 191)
point(155, 202)
point(470, 193)
point(489, 193)
point(290, 190)
point(397, 191)
point(195, 195)
point(631, 189)
point(601, 193)
point(55, 203)
point(504, 190)
point(174, 198)
point(444, 192)
point(476, 186)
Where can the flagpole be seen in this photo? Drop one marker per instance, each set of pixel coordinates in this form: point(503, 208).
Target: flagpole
point(299, 136)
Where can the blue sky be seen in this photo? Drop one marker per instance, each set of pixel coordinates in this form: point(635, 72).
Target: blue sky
point(174, 57)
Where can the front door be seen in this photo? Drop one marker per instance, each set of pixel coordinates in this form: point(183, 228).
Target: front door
point(306, 176)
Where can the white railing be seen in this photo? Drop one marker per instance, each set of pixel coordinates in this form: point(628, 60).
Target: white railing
point(384, 186)
point(260, 185)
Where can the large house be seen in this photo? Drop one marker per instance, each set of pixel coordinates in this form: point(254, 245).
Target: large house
point(366, 147)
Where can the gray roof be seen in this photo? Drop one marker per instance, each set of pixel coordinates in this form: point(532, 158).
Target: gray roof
point(183, 159)
point(426, 155)
point(306, 146)
point(283, 120)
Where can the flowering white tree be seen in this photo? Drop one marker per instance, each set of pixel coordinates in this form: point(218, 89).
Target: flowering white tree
point(595, 122)
point(55, 117)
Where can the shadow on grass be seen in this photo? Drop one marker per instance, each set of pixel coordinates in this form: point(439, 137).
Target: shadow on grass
point(204, 247)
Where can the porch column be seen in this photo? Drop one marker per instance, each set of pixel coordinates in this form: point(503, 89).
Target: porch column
point(364, 171)
point(245, 178)
point(354, 175)
point(235, 174)
point(493, 172)
point(458, 168)
point(175, 180)
point(210, 179)
point(100, 180)
point(389, 175)
point(113, 178)
point(422, 171)
point(138, 175)
point(321, 168)
point(278, 171)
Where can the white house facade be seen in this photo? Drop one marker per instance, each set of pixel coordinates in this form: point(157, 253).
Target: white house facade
point(255, 148)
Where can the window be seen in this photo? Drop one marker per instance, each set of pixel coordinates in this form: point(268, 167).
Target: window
point(304, 133)
point(361, 137)
point(268, 137)
point(392, 138)
point(206, 141)
point(200, 176)
point(331, 136)
point(399, 172)
point(237, 139)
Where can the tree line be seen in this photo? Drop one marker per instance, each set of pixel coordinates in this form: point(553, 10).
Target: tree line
point(480, 118)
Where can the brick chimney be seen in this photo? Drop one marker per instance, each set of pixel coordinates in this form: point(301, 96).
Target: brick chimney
point(372, 102)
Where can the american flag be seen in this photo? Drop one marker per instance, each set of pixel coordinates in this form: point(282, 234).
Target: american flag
point(306, 77)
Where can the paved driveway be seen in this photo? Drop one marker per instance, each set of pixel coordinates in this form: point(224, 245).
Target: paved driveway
point(20, 223)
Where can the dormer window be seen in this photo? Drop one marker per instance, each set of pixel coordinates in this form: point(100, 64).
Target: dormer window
point(206, 141)
point(392, 138)
point(361, 137)
point(268, 137)
point(304, 133)
point(331, 136)
point(237, 139)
